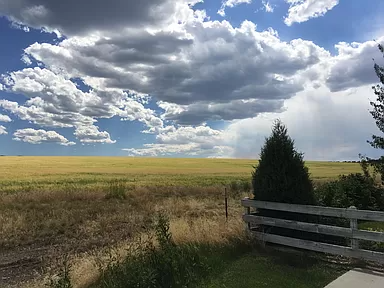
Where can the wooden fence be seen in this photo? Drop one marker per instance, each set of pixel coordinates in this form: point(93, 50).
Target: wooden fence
point(352, 232)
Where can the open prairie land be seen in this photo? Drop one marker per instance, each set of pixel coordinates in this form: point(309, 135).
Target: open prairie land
point(53, 206)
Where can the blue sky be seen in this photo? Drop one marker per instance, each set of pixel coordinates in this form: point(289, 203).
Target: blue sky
point(181, 78)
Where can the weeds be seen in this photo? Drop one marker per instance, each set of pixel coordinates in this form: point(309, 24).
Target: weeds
point(117, 190)
point(151, 266)
point(62, 279)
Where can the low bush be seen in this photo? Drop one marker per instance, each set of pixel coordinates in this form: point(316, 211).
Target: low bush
point(357, 189)
point(167, 265)
point(351, 190)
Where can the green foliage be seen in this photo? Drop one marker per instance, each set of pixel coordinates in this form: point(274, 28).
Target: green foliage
point(378, 106)
point(147, 266)
point(117, 190)
point(281, 175)
point(351, 190)
point(370, 245)
point(378, 115)
point(62, 279)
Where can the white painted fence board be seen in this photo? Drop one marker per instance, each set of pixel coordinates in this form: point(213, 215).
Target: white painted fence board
point(316, 210)
point(369, 235)
point(302, 226)
point(316, 228)
point(321, 247)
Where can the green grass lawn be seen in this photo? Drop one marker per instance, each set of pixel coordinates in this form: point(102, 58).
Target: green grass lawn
point(255, 271)
point(275, 270)
point(272, 270)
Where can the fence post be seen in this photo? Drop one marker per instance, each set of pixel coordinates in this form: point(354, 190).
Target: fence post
point(354, 227)
point(226, 204)
point(247, 211)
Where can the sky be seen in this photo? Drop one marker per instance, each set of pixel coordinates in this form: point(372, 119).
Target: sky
point(188, 78)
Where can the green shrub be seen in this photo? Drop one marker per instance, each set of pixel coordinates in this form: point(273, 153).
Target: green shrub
point(281, 175)
point(168, 265)
point(357, 190)
point(117, 190)
point(351, 190)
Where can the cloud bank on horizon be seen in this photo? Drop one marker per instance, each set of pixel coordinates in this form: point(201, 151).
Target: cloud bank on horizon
point(187, 78)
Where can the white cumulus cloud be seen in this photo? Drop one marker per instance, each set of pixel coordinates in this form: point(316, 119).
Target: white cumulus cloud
point(5, 118)
point(91, 134)
point(268, 7)
point(321, 123)
point(34, 136)
point(303, 10)
point(231, 4)
point(3, 130)
point(55, 101)
point(217, 69)
point(353, 65)
point(200, 141)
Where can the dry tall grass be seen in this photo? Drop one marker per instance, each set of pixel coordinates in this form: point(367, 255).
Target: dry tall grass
point(53, 206)
point(84, 224)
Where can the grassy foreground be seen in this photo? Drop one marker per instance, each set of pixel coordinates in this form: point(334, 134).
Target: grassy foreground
point(236, 264)
point(52, 206)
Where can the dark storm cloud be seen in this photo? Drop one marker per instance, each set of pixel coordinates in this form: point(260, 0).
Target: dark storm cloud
point(78, 17)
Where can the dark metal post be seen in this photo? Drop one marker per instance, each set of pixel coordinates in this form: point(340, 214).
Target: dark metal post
point(226, 205)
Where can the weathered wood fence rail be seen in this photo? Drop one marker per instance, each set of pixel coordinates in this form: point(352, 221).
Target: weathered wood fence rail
point(352, 232)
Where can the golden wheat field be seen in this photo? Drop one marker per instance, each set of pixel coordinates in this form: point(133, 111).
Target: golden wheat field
point(84, 206)
point(53, 172)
